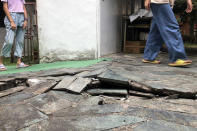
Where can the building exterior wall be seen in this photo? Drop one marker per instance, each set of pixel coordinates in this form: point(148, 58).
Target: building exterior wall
point(67, 29)
point(110, 26)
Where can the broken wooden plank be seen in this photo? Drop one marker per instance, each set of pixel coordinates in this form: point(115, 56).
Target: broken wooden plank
point(141, 94)
point(11, 91)
point(107, 92)
point(138, 86)
point(67, 81)
point(79, 85)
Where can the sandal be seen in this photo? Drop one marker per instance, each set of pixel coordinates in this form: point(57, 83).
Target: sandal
point(180, 63)
point(22, 65)
point(2, 68)
point(152, 62)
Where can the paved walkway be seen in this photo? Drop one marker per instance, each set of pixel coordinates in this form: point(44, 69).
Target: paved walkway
point(121, 94)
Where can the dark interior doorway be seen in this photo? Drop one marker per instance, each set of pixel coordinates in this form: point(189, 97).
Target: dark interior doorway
point(2, 15)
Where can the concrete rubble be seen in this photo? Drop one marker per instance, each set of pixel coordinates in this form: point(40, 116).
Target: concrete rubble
point(119, 94)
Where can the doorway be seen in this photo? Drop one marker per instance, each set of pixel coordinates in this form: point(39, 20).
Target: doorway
point(117, 33)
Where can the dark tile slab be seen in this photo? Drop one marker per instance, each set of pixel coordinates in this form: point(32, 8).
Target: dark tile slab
point(163, 126)
point(68, 96)
point(103, 122)
point(154, 114)
point(19, 116)
point(90, 109)
point(16, 98)
point(11, 91)
point(49, 103)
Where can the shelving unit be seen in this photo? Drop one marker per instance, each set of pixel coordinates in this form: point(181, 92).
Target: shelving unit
point(134, 34)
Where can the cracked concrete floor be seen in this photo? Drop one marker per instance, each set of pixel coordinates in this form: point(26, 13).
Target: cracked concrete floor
point(122, 94)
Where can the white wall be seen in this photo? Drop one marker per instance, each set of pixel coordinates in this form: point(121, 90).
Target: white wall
point(110, 26)
point(67, 29)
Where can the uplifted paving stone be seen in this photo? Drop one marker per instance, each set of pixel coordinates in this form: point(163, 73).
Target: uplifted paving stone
point(49, 103)
point(163, 126)
point(16, 117)
point(95, 73)
point(65, 83)
point(111, 76)
point(41, 87)
point(169, 116)
point(61, 72)
point(79, 85)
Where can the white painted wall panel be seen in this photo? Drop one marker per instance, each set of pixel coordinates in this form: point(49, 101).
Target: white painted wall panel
point(67, 29)
point(110, 26)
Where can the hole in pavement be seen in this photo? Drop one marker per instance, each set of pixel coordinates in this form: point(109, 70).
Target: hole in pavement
point(5, 85)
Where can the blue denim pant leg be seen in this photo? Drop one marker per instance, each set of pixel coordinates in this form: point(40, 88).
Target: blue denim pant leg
point(154, 43)
point(169, 31)
point(10, 35)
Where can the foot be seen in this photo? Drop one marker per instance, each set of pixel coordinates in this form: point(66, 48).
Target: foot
point(2, 67)
point(188, 61)
point(152, 62)
point(180, 63)
point(21, 65)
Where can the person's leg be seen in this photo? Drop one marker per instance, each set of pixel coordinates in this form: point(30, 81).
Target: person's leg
point(20, 34)
point(9, 40)
point(169, 30)
point(154, 43)
point(19, 43)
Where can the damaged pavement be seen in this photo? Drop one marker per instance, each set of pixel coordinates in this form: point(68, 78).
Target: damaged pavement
point(119, 94)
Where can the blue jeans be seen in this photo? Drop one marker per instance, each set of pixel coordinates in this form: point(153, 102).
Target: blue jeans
point(18, 34)
point(164, 29)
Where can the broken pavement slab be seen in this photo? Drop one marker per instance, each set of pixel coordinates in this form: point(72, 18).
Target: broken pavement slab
point(103, 122)
point(61, 72)
point(41, 87)
point(76, 85)
point(85, 123)
point(11, 91)
point(162, 126)
point(111, 76)
point(49, 103)
point(168, 116)
point(65, 83)
point(19, 116)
